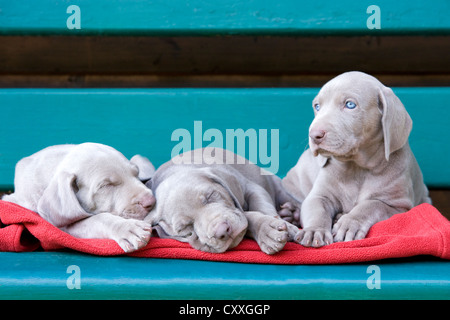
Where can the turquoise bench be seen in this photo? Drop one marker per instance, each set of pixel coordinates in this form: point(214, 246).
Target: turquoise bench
point(152, 122)
point(196, 44)
point(42, 275)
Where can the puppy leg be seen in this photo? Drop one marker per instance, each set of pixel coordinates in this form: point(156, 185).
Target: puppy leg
point(355, 224)
point(316, 219)
point(270, 233)
point(264, 224)
point(288, 207)
point(130, 234)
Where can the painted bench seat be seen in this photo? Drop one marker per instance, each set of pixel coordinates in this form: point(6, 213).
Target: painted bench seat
point(43, 275)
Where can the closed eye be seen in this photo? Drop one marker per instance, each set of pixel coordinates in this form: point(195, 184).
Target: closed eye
point(108, 184)
point(210, 197)
point(104, 185)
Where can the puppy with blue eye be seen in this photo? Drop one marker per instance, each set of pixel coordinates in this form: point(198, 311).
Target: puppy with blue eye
point(212, 198)
point(359, 168)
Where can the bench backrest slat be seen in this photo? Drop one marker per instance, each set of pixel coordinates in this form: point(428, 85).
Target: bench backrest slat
point(179, 17)
point(157, 122)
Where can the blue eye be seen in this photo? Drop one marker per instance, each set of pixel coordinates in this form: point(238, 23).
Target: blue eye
point(317, 107)
point(350, 105)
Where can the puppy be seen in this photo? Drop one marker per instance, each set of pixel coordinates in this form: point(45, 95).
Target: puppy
point(89, 190)
point(211, 202)
point(359, 169)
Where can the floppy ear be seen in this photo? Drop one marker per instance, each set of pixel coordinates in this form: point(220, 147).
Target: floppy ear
point(396, 122)
point(59, 204)
point(146, 168)
point(162, 230)
point(230, 183)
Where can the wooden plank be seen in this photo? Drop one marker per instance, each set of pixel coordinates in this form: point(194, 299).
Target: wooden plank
point(441, 201)
point(205, 81)
point(143, 121)
point(224, 55)
point(179, 17)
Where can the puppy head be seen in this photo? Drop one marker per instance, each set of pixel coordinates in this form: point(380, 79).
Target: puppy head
point(91, 179)
point(198, 206)
point(108, 182)
point(354, 112)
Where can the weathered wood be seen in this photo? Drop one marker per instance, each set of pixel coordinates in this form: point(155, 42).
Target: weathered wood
point(204, 81)
point(224, 55)
point(198, 17)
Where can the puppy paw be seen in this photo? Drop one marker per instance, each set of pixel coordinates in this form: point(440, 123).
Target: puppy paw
point(337, 217)
point(273, 235)
point(348, 228)
point(132, 235)
point(290, 213)
point(314, 237)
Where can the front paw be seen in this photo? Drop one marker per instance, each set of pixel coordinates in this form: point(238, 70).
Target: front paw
point(132, 234)
point(314, 237)
point(273, 235)
point(347, 228)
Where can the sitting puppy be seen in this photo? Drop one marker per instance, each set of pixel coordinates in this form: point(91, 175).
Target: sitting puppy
point(211, 198)
point(359, 169)
point(89, 191)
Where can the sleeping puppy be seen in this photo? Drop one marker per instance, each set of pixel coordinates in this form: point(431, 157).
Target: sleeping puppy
point(89, 191)
point(359, 169)
point(212, 198)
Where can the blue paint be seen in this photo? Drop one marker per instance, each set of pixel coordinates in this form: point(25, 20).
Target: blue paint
point(43, 275)
point(197, 17)
point(143, 121)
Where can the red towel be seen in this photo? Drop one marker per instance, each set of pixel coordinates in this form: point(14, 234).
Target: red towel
point(420, 231)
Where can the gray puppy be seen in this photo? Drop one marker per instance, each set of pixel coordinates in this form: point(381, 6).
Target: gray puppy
point(212, 198)
point(88, 190)
point(359, 169)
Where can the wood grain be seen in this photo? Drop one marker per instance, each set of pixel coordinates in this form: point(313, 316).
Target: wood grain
point(416, 55)
point(226, 17)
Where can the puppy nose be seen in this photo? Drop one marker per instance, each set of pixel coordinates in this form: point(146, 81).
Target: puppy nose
point(317, 135)
point(147, 202)
point(223, 231)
